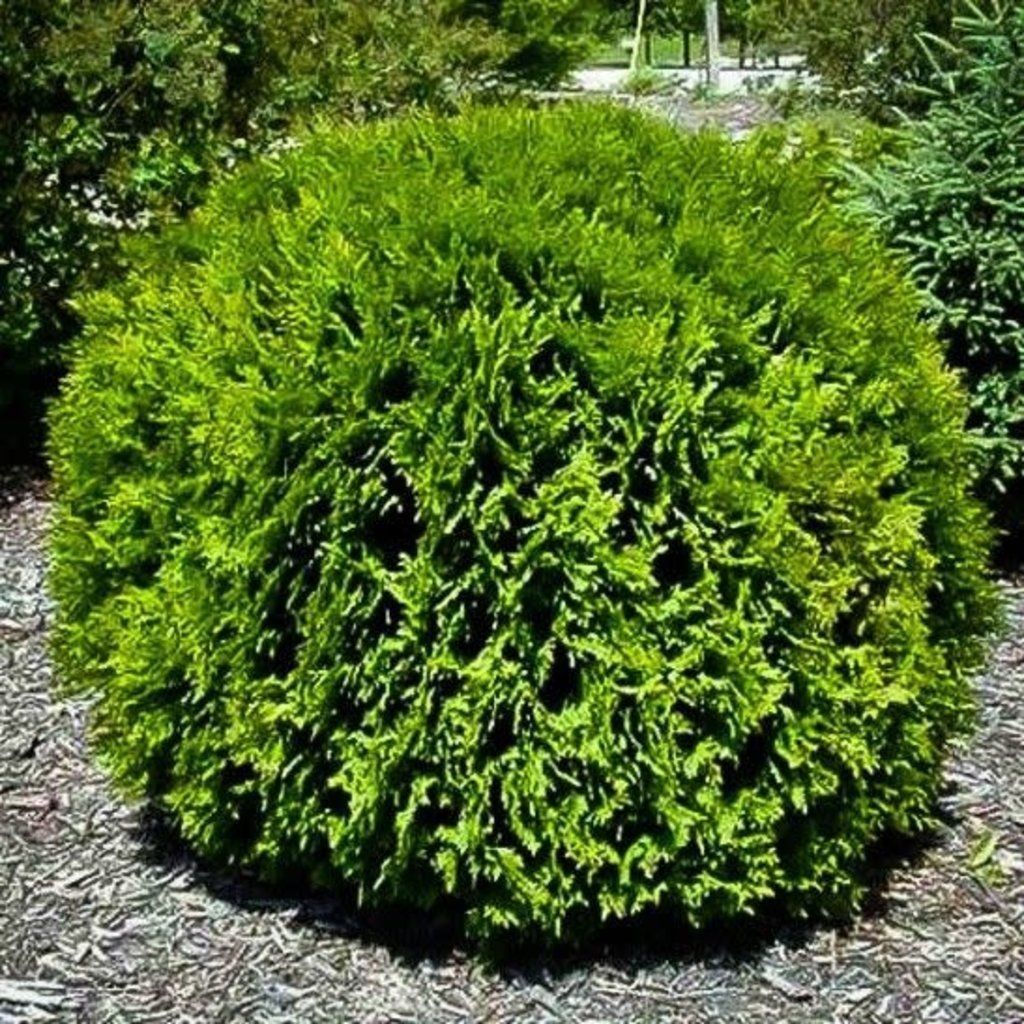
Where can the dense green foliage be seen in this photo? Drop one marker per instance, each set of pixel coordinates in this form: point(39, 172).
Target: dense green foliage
point(115, 113)
point(867, 52)
point(542, 509)
point(837, 144)
point(537, 41)
point(953, 201)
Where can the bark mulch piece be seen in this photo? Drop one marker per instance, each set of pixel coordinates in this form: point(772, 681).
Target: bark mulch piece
point(103, 919)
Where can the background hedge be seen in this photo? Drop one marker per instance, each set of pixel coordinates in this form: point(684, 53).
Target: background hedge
point(867, 53)
point(542, 510)
point(115, 115)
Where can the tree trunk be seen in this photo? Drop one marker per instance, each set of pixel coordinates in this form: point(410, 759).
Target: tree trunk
point(638, 38)
point(714, 45)
point(686, 48)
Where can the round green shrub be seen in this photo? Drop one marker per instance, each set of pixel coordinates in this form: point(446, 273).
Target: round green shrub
point(542, 511)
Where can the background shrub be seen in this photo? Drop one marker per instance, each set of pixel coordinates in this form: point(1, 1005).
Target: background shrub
point(114, 115)
point(540, 509)
point(953, 201)
point(867, 52)
point(838, 144)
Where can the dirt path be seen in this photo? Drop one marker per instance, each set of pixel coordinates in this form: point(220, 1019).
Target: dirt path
point(101, 920)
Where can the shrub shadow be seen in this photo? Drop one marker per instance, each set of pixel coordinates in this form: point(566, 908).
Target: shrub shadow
point(417, 937)
point(409, 933)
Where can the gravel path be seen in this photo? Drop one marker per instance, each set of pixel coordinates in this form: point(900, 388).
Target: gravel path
point(102, 920)
point(732, 79)
point(737, 115)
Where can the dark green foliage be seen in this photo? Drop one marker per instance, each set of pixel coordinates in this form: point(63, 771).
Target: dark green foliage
point(114, 114)
point(867, 52)
point(954, 203)
point(542, 40)
point(543, 509)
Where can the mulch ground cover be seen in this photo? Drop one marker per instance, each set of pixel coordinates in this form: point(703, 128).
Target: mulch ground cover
point(104, 917)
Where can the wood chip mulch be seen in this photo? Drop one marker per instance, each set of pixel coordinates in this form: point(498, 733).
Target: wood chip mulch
point(104, 920)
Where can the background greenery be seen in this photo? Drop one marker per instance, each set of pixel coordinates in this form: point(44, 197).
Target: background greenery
point(867, 52)
point(952, 200)
point(745, 24)
point(115, 114)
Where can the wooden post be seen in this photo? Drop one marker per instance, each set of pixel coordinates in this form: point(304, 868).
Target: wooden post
point(687, 58)
point(713, 44)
